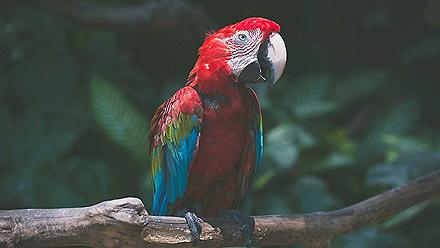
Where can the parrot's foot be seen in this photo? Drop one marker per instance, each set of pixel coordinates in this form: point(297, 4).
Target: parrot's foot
point(194, 224)
point(247, 224)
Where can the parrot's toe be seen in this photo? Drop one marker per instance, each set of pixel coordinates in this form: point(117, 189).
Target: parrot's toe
point(194, 224)
point(247, 224)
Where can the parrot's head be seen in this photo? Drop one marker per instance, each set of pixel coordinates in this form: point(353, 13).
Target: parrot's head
point(249, 51)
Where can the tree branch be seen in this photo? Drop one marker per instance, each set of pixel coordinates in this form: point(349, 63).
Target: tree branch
point(125, 223)
point(149, 16)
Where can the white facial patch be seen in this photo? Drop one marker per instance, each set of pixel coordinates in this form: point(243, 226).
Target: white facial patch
point(244, 47)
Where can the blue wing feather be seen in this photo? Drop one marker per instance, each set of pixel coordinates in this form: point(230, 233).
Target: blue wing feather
point(172, 176)
point(178, 158)
point(173, 146)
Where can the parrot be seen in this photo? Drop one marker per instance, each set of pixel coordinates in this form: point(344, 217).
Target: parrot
point(206, 140)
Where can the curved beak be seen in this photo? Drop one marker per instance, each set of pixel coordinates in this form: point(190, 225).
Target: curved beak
point(276, 56)
point(269, 64)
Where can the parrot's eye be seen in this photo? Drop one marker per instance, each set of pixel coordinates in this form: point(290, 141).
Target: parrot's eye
point(242, 37)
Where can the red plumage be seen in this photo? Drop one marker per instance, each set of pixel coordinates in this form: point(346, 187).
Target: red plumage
point(224, 162)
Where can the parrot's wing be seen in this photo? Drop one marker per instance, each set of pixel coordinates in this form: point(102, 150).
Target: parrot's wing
point(174, 138)
point(253, 151)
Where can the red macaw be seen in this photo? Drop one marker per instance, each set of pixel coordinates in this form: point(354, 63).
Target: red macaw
point(206, 141)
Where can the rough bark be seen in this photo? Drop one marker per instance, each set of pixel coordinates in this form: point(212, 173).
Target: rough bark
point(126, 223)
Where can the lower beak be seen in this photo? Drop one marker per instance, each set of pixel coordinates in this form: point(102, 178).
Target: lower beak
point(269, 64)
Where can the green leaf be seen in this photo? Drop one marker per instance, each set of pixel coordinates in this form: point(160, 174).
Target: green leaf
point(339, 138)
point(313, 195)
point(399, 120)
point(358, 85)
point(263, 179)
point(284, 142)
point(405, 168)
point(315, 109)
point(332, 161)
point(308, 99)
point(405, 215)
point(119, 118)
point(387, 174)
point(407, 143)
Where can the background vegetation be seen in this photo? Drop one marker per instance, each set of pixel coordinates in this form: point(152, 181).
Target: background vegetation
point(356, 112)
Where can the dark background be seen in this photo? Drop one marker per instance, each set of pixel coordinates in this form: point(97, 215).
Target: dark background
point(355, 113)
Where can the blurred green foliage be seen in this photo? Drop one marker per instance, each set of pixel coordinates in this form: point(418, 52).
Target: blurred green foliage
point(355, 113)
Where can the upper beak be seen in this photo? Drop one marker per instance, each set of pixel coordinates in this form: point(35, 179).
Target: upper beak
point(269, 64)
point(277, 57)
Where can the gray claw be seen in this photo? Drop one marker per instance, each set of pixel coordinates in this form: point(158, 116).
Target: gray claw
point(247, 224)
point(194, 226)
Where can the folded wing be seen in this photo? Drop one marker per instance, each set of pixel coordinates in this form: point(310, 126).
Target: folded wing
point(174, 138)
point(253, 151)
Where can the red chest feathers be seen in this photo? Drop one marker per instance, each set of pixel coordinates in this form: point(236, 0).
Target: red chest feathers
point(222, 137)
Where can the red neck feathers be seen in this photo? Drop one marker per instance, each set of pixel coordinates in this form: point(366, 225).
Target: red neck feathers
point(212, 73)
